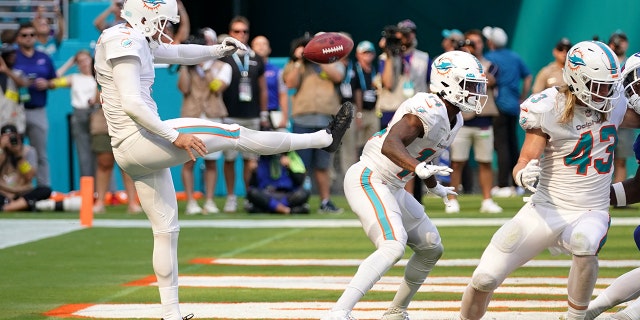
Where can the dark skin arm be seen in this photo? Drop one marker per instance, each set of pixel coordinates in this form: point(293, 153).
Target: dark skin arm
point(399, 137)
point(631, 190)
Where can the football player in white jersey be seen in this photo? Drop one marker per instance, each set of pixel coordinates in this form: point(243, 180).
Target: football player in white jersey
point(566, 159)
point(627, 286)
point(146, 147)
point(420, 130)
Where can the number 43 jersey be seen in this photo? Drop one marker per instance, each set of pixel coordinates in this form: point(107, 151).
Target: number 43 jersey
point(577, 162)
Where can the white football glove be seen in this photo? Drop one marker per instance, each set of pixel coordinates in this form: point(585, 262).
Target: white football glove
point(528, 176)
point(442, 192)
point(228, 47)
point(424, 170)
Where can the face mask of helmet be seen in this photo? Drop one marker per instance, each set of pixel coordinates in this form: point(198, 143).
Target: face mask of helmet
point(631, 83)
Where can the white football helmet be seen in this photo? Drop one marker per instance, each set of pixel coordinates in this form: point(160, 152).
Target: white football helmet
point(592, 72)
point(631, 81)
point(151, 17)
point(459, 78)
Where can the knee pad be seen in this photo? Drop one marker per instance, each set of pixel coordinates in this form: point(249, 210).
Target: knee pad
point(484, 282)
point(432, 253)
point(580, 244)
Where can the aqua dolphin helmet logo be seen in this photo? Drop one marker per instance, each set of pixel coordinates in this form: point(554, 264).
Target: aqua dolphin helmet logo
point(575, 59)
point(153, 4)
point(443, 66)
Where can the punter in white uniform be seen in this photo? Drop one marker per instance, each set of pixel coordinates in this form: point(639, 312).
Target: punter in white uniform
point(146, 147)
point(420, 130)
point(627, 286)
point(567, 160)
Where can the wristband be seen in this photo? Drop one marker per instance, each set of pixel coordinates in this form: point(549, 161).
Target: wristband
point(264, 116)
point(215, 85)
point(24, 167)
point(621, 197)
point(60, 82)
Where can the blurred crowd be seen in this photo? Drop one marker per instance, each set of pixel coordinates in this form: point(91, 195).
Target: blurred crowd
point(301, 96)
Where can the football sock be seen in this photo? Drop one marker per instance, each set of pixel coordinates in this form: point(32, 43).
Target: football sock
point(369, 272)
point(273, 142)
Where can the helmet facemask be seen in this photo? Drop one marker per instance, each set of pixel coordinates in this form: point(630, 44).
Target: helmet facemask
point(472, 97)
point(597, 94)
point(631, 83)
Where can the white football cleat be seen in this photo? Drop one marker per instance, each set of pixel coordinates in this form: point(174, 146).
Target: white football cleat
point(395, 314)
point(339, 315)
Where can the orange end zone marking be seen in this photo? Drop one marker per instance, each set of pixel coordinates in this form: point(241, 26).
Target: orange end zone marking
point(142, 282)
point(202, 261)
point(67, 310)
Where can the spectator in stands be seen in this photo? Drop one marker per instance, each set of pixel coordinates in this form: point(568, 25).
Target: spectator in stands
point(47, 40)
point(84, 98)
point(39, 68)
point(105, 161)
point(477, 132)
point(364, 94)
point(246, 101)
point(11, 83)
point(513, 82)
point(202, 86)
point(184, 26)
point(551, 74)
point(619, 43)
point(277, 92)
point(18, 166)
point(104, 20)
point(276, 185)
point(348, 153)
point(451, 39)
point(315, 100)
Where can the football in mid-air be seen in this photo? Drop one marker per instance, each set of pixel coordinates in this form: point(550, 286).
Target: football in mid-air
point(327, 47)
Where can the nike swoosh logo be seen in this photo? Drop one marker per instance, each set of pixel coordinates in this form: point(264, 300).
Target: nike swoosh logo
point(525, 109)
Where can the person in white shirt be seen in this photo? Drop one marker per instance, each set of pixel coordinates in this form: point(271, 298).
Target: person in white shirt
point(567, 161)
point(146, 147)
point(422, 128)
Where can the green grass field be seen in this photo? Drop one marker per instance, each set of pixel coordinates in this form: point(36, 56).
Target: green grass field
point(93, 265)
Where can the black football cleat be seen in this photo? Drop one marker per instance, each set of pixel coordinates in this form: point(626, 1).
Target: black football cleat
point(339, 124)
point(187, 317)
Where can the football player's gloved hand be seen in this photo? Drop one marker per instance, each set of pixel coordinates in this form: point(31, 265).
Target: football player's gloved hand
point(228, 47)
point(442, 192)
point(424, 170)
point(528, 176)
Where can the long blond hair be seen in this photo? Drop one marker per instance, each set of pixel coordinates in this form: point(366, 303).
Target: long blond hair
point(570, 105)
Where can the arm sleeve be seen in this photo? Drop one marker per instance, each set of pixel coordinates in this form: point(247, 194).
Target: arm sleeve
point(183, 54)
point(126, 75)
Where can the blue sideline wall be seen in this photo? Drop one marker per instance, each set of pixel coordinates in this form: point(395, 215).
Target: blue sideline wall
point(533, 26)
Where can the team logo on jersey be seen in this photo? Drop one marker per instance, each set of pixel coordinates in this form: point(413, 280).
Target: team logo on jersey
point(126, 43)
point(575, 59)
point(152, 4)
point(444, 65)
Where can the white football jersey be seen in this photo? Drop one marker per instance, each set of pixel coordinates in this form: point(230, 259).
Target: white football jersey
point(438, 136)
point(577, 162)
point(115, 42)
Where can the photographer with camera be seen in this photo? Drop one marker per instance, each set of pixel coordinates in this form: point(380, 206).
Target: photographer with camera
point(405, 69)
point(18, 167)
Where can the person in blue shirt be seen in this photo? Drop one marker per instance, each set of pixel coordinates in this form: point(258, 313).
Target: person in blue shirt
point(511, 72)
point(277, 185)
point(40, 70)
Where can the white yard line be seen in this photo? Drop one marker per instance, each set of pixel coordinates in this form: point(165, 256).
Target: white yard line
point(315, 310)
